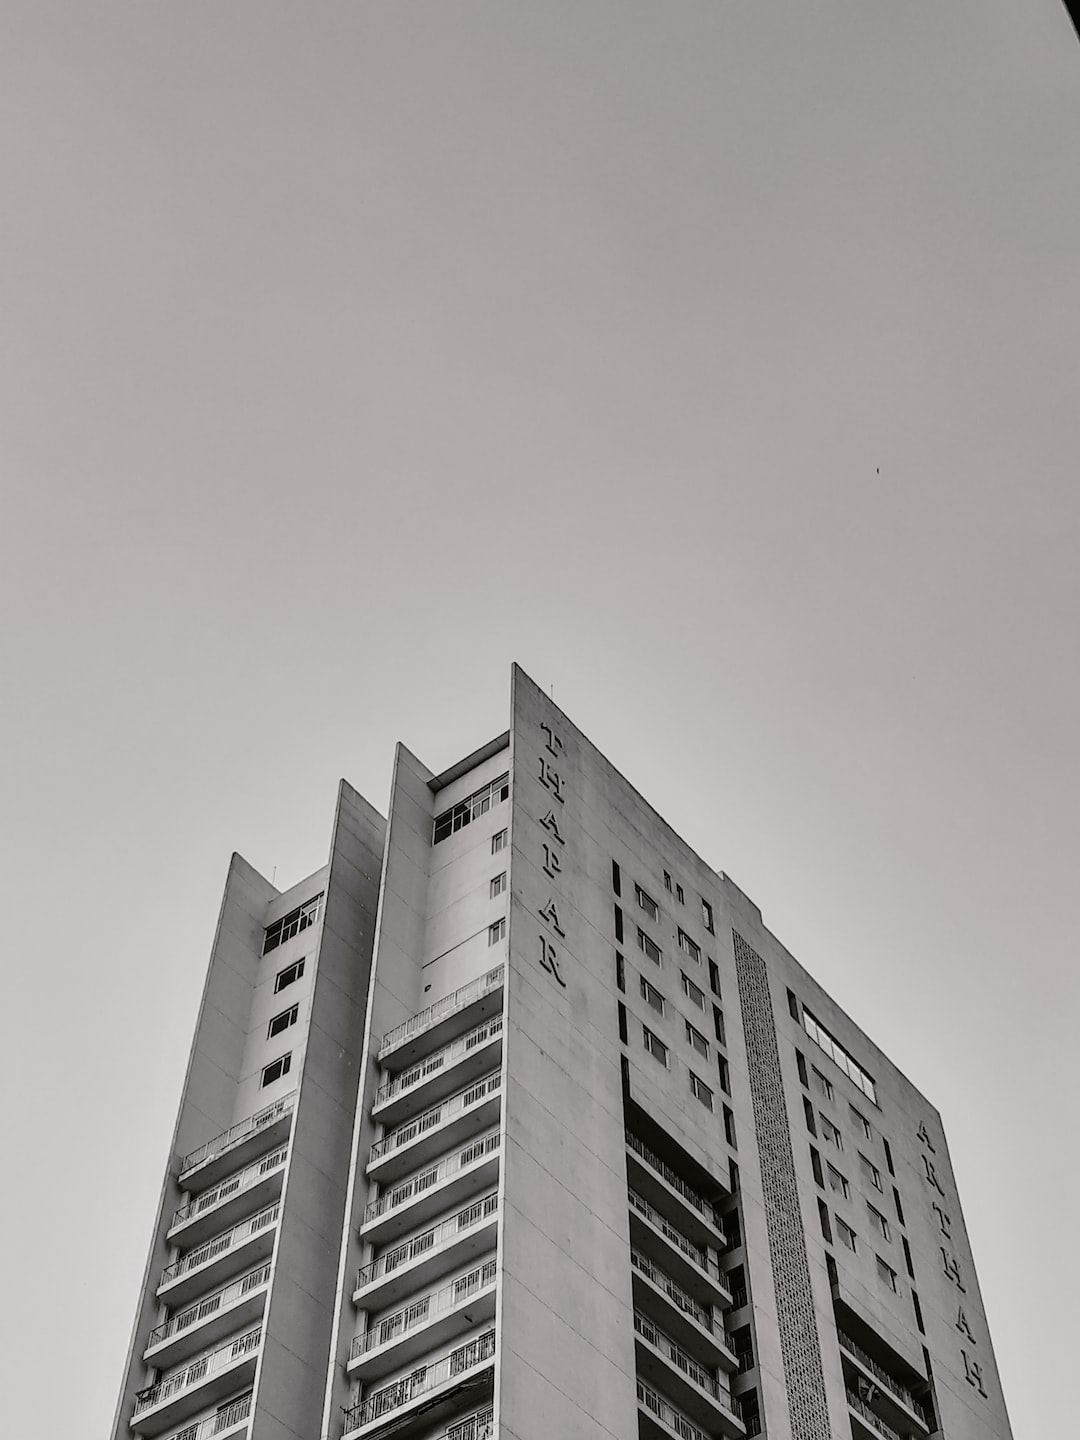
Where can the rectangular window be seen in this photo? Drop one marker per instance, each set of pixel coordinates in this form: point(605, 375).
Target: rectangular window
point(888, 1155)
point(289, 974)
point(793, 1004)
point(647, 946)
point(823, 1218)
point(701, 1091)
point(667, 882)
point(836, 1052)
point(618, 925)
point(907, 1257)
point(845, 1233)
point(860, 1120)
point(282, 1022)
point(622, 1022)
point(652, 996)
point(815, 1165)
point(718, 1025)
point(289, 925)
point(497, 931)
point(886, 1274)
point(838, 1182)
point(714, 979)
point(899, 1206)
point(800, 1061)
point(647, 903)
point(707, 917)
point(620, 972)
point(679, 893)
point(823, 1083)
point(693, 993)
point(918, 1313)
point(831, 1133)
point(689, 947)
point(276, 1069)
point(697, 1040)
point(878, 1222)
point(655, 1046)
point(808, 1117)
point(729, 1128)
point(725, 1074)
point(870, 1171)
point(616, 877)
point(471, 808)
point(498, 841)
point(498, 885)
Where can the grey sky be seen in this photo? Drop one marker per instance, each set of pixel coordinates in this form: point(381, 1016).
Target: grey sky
point(717, 361)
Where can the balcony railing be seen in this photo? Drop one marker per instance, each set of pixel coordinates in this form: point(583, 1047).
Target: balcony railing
point(874, 1421)
point(438, 1115)
point(423, 1379)
point(686, 1363)
point(198, 1371)
point(220, 1243)
point(234, 1185)
point(184, 1319)
point(216, 1424)
point(689, 1194)
point(461, 997)
point(693, 1252)
point(901, 1392)
point(420, 1311)
point(668, 1414)
point(480, 1426)
point(440, 1060)
point(679, 1297)
point(417, 1184)
point(428, 1240)
point(240, 1131)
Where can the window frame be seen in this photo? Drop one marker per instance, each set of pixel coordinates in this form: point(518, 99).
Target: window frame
point(646, 944)
point(689, 946)
point(297, 966)
point(289, 1016)
point(693, 993)
point(655, 1046)
point(847, 1235)
point(844, 1187)
point(497, 886)
point(646, 902)
point(497, 931)
point(871, 1173)
point(651, 995)
point(284, 1064)
point(701, 1091)
point(499, 840)
point(696, 1040)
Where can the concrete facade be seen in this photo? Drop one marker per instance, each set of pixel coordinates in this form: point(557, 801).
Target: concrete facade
point(568, 1145)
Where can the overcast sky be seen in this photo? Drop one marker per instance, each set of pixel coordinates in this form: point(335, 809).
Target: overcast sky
point(717, 361)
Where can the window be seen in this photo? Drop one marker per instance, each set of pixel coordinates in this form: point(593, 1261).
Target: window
point(289, 974)
point(860, 1120)
point(690, 947)
point(697, 1040)
point(886, 1274)
point(907, 1256)
point(729, 1127)
point(652, 996)
point(888, 1155)
point(616, 877)
point(838, 1182)
point(800, 1061)
point(620, 972)
point(679, 893)
point(815, 1165)
point(471, 808)
point(870, 1171)
point(667, 882)
point(618, 925)
point(701, 1091)
point(289, 925)
point(845, 1233)
point(707, 917)
point(647, 903)
point(918, 1313)
point(282, 1022)
point(497, 931)
point(823, 1083)
point(622, 1022)
point(714, 979)
point(498, 841)
point(878, 1222)
point(899, 1206)
point(718, 1025)
point(836, 1052)
point(647, 946)
point(831, 1133)
point(692, 992)
point(823, 1218)
point(808, 1117)
point(655, 1046)
point(792, 1004)
point(498, 885)
point(276, 1069)
point(725, 1074)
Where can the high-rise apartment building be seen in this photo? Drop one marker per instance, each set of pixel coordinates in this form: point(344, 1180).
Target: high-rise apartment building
point(514, 1121)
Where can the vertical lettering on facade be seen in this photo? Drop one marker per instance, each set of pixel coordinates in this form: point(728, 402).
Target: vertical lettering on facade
point(551, 863)
point(944, 1222)
point(549, 959)
point(931, 1175)
point(551, 779)
point(962, 1324)
point(973, 1373)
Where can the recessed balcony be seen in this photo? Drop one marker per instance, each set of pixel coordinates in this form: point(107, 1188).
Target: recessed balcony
point(228, 1422)
point(653, 1178)
point(425, 1324)
point(227, 1201)
point(480, 1425)
point(659, 1420)
point(898, 1406)
point(452, 1068)
point(429, 1256)
point(415, 1402)
point(666, 1366)
point(237, 1146)
point(202, 1324)
point(433, 1132)
point(866, 1424)
point(692, 1266)
point(219, 1259)
point(688, 1322)
point(419, 1198)
point(430, 1029)
point(211, 1377)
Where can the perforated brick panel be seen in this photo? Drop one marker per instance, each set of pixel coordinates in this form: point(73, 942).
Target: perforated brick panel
point(799, 1342)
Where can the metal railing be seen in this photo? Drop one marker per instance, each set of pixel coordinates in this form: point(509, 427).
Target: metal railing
point(215, 1424)
point(674, 1352)
point(648, 1397)
point(687, 1191)
point(395, 1326)
point(220, 1243)
point(240, 1131)
point(478, 1426)
point(417, 1184)
point(439, 1060)
point(437, 1115)
point(464, 995)
point(198, 1371)
point(894, 1386)
point(428, 1240)
point(184, 1319)
point(697, 1253)
point(423, 1378)
point(873, 1420)
point(679, 1297)
point(234, 1185)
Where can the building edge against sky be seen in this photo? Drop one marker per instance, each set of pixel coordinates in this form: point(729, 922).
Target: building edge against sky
point(514, 1119)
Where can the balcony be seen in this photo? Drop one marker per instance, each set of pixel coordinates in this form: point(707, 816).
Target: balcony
point(654, 1179)
point(433, 1132)
point(221, 1258)
point(208, 1379)
point(439, 1024)
point(901, 1409)
point(689, 1323)
point(478, 1426)
point(238, 1145)
point(661, 1362)
point(205, 1322)
point(247, 1190)
point(224, 1422)
point(660, 1420)
point(425, 1324)
point(418, 1396)
point(691, 1265)
point(866, 1424)
point(435, 1077)
point(422, 1196)
point(428, 1256)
